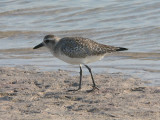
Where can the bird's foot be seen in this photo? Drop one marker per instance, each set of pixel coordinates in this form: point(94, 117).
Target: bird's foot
point(74, 90)
point(93, 89)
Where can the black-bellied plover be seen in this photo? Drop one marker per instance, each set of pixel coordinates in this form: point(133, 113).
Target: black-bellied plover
point(77, 50)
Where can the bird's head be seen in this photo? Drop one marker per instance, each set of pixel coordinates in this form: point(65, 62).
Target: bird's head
point(49, 41)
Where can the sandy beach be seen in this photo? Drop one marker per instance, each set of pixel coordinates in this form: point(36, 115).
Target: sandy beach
point(29, 94)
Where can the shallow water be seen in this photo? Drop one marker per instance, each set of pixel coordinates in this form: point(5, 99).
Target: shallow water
point(131, 24)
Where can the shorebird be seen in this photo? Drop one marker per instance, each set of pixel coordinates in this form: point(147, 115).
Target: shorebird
point(78, 51)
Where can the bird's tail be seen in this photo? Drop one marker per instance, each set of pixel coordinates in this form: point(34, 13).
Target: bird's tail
point(121, 49)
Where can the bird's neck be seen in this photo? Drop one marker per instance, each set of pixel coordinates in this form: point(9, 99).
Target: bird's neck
point(57, 39)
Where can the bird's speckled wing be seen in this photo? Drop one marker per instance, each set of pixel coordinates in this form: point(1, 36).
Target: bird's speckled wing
point(77, 47)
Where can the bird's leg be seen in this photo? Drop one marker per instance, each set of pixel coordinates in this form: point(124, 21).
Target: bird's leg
point(94, 85)
point(80, 79)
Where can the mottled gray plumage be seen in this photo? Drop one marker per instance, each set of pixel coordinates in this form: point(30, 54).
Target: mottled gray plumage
point(78, 47)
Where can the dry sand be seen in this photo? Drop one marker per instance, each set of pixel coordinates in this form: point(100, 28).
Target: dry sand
point(28, 94)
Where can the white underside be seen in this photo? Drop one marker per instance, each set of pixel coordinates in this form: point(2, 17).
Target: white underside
point(85, 60)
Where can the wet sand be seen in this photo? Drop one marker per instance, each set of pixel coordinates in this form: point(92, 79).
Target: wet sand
point(28, 94)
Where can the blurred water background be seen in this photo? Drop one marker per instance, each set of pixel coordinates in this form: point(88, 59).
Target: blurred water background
point(132, 24)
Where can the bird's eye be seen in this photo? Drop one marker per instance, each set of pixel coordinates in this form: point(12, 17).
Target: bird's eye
point(47, 41)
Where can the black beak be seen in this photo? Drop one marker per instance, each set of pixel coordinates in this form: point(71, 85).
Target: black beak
point(38, 46)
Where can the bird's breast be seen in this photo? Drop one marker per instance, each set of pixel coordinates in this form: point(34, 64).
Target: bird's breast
point(85, 60)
